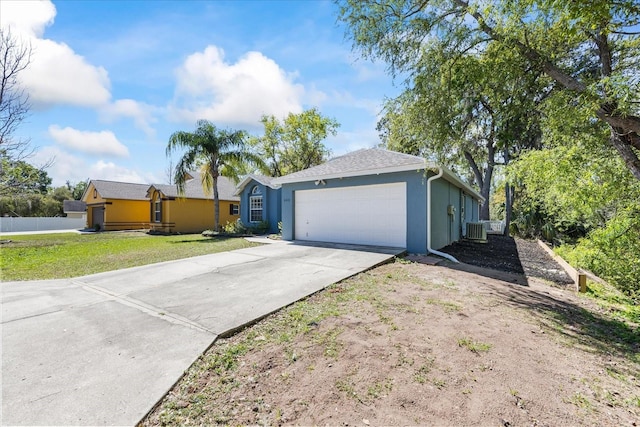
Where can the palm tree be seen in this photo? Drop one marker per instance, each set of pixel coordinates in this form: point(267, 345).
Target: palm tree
point(217, 152)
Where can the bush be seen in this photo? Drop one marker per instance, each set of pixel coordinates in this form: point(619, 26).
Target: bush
point(261, 228)
point(612, 252)
point(236, 227)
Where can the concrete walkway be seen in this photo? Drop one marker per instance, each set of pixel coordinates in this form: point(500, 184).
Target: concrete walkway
point(103, 349)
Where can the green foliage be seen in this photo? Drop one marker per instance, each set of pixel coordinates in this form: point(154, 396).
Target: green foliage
point(78, 189)
point(239, 228)
point(589, 52)
point(20, 178)
point(612, 252)
point(30, 205)
point(467, 111)
point(295, 143)
point(581, 194)
point(235, 227)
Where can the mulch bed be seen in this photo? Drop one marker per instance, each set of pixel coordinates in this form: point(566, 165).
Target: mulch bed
point(513, 255)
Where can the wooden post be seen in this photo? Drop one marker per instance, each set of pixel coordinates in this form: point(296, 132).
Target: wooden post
point(582, 283)
point(579, 278)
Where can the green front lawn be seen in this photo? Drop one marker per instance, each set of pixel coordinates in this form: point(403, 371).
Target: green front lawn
point(56, 256)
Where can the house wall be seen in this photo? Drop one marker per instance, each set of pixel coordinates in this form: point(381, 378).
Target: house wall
point(416, 203)
point(271, 205)
point(118, 214)
point(189, 215)
point(126, 215)
point(446, 228)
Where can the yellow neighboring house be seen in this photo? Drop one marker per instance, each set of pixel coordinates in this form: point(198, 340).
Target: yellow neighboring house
point(113, 205)
point(191, 212)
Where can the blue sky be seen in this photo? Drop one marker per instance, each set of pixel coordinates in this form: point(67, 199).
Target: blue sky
point(110, 81)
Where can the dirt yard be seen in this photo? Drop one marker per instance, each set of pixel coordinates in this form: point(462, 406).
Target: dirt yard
point(411, 343)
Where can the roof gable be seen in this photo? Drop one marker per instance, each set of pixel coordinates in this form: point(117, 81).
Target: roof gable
point(73, 206)
point(193, 189)
point(362, 162)
point(372, 161)
point(267, 181)
point(120, 190)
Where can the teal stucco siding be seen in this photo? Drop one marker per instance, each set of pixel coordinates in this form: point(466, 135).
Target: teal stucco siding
point(416, 207)
point(446, 224)
point(271, 205)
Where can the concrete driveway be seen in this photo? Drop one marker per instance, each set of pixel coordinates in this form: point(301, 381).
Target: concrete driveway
point(103, 349)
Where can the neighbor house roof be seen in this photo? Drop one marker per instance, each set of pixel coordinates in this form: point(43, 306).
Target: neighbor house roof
point(73, 206)
point(267, 181)
point(193, 189)
point(120, 190)
point(372, 161)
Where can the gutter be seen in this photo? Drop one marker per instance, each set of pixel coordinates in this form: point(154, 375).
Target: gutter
point(429, 249)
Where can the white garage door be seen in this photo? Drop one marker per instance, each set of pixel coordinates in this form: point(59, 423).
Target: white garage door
point(363, 215)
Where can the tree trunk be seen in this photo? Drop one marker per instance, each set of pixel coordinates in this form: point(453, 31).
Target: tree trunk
point(622, 144)
point(484, 182)
point(508, 207)
point(216, 205)
point(508, 198)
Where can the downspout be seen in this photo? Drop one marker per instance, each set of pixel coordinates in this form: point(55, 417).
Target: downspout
point(429, 250)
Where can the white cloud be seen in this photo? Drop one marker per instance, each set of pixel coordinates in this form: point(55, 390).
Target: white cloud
point(112, 172)
point(103, 142)
point(140, 112)
point(65, 166)
point(56, 74)
point(27, 17)
point(240, 93)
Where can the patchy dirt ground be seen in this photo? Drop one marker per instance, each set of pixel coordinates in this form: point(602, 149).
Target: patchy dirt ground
point(410, 343)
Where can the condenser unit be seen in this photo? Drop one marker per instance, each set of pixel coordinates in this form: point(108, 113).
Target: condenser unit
point(476, 232)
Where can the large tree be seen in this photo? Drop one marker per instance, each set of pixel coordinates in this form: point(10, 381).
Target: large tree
point(294, 143)
point(590, 50)
point(15, 57)
point(18, 177)
point(469, 112)
point(214, 151)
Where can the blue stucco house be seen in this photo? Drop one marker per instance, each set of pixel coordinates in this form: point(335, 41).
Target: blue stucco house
point(367, 197)
point(260, 200)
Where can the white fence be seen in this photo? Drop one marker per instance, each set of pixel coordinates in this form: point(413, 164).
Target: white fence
point(11, 224)
point(494, 227)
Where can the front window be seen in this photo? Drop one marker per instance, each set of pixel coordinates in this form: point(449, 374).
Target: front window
point(157, 208)
point(255, 205)
point(255, 208)
point(235, 209)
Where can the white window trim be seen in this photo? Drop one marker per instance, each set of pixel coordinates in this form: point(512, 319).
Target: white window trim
point(252, 209)
point(157, 209)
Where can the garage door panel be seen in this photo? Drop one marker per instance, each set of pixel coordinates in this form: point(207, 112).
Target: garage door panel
point(368, 215)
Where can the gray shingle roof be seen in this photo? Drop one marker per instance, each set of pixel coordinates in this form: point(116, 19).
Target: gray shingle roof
point(193, 189)
point(371, 161)
point(361, 162)
point(262, 179)
point(73, 206)
point(121, 190)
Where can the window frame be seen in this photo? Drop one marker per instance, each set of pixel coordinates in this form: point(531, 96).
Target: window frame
point(157, 210)
point(256, 205)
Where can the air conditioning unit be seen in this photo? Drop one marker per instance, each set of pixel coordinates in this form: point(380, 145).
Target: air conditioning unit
point(476, 232)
